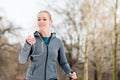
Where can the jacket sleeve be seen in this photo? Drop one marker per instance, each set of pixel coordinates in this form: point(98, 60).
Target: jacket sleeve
point(24, 54)
point(63, 60)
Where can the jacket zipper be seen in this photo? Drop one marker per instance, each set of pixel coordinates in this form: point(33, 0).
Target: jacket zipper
point(47, 59)
point(46, 63)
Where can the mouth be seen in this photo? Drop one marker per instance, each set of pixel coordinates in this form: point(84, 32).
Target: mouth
point(42, 25)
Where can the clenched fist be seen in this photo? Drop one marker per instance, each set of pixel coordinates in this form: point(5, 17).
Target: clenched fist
point(73, 75)
point(31, 40)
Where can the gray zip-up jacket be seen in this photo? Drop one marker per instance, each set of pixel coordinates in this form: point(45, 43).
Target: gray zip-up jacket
point(43, 58)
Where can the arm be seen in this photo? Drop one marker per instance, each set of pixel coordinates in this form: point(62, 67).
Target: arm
point(27, 49)
point(63, 60)
point(64, 64)
point(25, 52)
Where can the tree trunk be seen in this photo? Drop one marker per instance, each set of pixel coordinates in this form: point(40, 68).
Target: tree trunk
point(86, 61)
point(99, 74)
point(115, 44)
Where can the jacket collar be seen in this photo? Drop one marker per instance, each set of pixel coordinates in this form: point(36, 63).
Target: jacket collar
point(37, 34)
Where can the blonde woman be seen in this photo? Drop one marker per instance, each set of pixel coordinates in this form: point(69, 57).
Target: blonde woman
point(44, 49)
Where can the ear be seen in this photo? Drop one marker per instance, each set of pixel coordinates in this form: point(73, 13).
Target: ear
point(51, 22)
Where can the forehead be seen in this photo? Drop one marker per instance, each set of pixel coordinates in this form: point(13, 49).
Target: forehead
point(42, 14)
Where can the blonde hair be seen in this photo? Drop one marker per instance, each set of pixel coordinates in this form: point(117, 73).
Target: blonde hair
point(44, 11)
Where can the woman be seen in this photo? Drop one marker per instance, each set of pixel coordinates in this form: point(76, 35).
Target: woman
point(44, 49)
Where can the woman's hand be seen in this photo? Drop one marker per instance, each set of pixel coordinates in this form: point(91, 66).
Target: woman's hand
point(31, 40)
point(73, 75)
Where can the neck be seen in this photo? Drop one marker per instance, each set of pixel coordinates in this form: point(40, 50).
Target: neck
point(45, 33)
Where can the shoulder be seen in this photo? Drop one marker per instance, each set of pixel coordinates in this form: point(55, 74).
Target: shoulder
point(57, 39)
point(60, 42)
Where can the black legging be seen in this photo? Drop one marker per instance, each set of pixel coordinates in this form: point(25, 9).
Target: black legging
point(53, 79)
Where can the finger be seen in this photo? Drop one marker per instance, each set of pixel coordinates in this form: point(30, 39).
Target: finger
point(31, 41)
point(29, 38)
point(73, 75)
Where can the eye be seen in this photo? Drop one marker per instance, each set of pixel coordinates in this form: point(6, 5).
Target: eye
point(39, 19)
point(44, 19)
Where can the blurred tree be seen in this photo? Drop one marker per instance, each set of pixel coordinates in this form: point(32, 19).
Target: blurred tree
point(97, 17)
point(8, 51)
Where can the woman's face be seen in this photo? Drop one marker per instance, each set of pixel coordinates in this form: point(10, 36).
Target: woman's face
point(43, 21)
